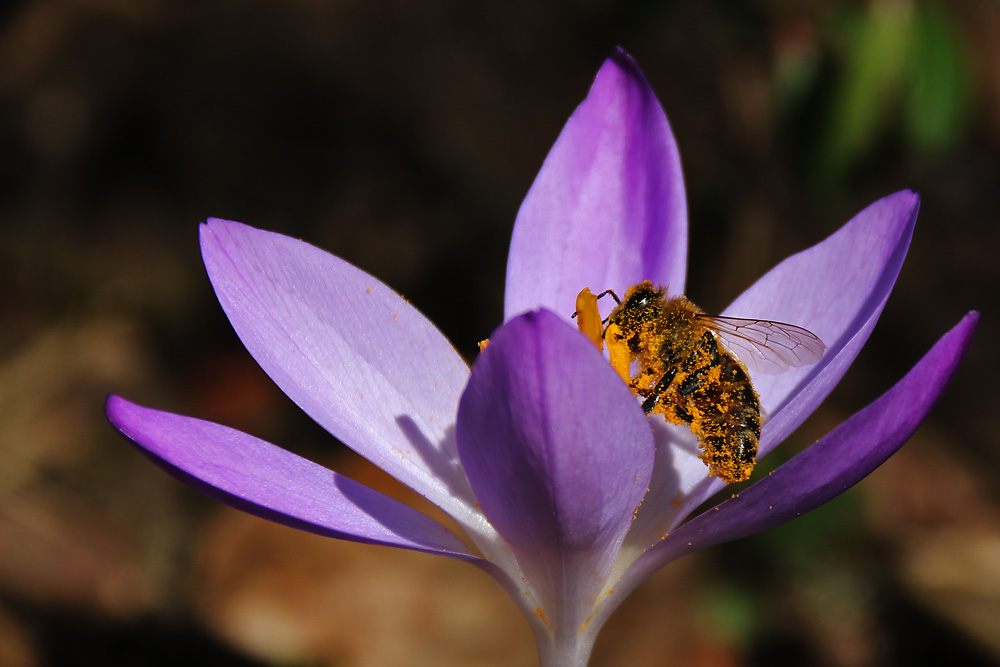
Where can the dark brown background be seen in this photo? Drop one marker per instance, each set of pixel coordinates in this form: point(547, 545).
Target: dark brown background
point(402, 137)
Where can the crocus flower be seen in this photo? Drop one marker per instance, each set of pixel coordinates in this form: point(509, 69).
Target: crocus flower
point(569, 496)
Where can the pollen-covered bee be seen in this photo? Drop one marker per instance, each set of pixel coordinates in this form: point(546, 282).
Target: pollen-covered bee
point(669, 352)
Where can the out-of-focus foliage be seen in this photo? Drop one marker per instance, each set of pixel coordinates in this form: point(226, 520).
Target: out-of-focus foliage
point(903, 78)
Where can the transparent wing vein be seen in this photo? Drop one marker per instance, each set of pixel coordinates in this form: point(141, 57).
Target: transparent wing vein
point(765, 346)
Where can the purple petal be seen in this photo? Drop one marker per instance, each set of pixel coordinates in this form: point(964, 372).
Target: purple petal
point(558, 452)
point(349, 351)
point(267, 481)
point(828, 468)
point(607, 209)
point(837, 290)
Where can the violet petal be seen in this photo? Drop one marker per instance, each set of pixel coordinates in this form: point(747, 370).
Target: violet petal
point(257, 477)
point(829, 467)
point(354, 355)
point(837, 290)
point(607, 208)
point(559, 454)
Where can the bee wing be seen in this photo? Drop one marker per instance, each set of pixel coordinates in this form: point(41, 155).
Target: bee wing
point(765, 346)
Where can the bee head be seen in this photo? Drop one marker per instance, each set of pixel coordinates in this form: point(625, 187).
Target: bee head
point(642, 303)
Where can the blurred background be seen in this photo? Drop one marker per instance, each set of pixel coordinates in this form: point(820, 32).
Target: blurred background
point(402, 137)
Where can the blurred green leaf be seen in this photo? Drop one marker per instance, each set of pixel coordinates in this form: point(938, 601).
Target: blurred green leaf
point(905, 74)
point(874, 72)
point(730, 611)
point(939, 95)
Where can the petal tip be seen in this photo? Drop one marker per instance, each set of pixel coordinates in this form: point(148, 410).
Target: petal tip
point(122, 415)
point(967, 326)
point(907, 197)
point(216, 226)
point(539, 319)
point(113, 407)
point(216, 234)
point(620, 65)
point(623, 58)
point(211, 221)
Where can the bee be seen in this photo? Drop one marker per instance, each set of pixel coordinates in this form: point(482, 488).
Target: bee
point(692, 367)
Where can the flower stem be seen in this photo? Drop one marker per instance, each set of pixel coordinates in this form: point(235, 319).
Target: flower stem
point(565, 649)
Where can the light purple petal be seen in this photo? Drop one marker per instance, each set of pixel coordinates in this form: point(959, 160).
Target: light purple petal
point(837, 290)
point(354, 355)
point(607, 209)
point(267, 481)
point(826, 469)
point(559, 454)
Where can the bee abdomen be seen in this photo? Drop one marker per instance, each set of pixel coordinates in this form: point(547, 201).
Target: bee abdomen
point(713, 394)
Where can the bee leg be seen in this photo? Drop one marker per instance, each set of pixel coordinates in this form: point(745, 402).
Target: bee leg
point(658, 390)
point(599, 296)
point(683, 414)
point(613, 295)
